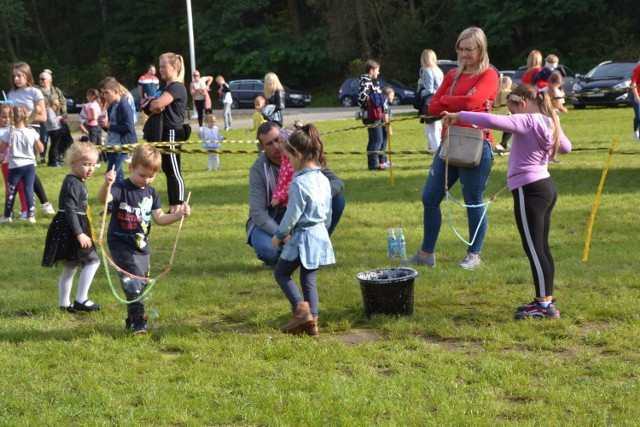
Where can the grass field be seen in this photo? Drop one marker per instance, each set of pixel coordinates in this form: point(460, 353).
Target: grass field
point(214, 355)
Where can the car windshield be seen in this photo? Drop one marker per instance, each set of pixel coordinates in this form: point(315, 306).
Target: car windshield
point(611, 71)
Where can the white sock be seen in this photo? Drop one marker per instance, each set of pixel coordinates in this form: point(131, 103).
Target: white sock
point(545, 304)
point(64, 285)
point(84, 282)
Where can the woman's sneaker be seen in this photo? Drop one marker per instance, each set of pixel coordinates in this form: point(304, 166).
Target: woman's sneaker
point(48, 209)
point(470, 262)
point(537, 311)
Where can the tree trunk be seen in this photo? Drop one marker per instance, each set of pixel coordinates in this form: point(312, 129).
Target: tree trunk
point(294, 17)
point(45, 41)
point(360, 16)
point(8, 39)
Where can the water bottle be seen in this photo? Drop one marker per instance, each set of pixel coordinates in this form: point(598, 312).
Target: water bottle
point(402, 245)
point(393, 245)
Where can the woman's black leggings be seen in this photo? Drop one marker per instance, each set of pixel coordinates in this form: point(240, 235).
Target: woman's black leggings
point(171, 167)
point(39, 190)
point(199, 104)
point(533, 204)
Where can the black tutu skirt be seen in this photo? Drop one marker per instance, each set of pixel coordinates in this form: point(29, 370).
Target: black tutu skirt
point(62, 245)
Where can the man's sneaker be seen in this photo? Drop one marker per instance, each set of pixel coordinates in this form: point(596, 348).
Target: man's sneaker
point(536, 311)
point(48, 209)
point(31, 219)
point(636, 135)
point(418, 260)
point(139, 325)
point(470, 262)
point(5, 219)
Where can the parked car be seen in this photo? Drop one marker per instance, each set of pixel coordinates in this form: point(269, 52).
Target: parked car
point(348, 92)
point(605, 84)
point(568, 78)
point(74, 105)
point(507, 73)
point(244, 92)
point(446, 65)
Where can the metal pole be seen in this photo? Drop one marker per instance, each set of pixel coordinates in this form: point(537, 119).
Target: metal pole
point(192, 48)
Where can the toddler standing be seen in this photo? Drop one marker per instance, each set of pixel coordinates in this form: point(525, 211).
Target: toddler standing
point(5, 123)
point(303, 230)
point(69, 238)
point(22, 142)
point(211, 137)
point(135, 202)
point(54, 131)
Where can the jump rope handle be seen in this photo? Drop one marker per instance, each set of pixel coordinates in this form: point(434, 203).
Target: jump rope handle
point(106, 208)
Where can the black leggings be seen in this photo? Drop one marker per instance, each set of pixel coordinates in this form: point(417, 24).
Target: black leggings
point(39, 190)
point(199, 104)
point(533, 204)
point(171, 167)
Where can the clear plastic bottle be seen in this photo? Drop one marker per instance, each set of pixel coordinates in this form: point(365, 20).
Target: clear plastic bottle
point(402, 245)
point(392, 245)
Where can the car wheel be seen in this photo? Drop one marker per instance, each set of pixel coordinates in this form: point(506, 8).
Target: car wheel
point(347, 102)
point(235, 104)
point(579, 107)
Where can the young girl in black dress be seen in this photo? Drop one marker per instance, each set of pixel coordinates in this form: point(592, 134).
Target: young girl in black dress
point(69, 237)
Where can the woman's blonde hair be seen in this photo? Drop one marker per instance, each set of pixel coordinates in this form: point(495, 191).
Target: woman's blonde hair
point(271, 85)
point(478, 37)
point(543, 99)
point(534, 59)
point(175, 61)
point(429, 60)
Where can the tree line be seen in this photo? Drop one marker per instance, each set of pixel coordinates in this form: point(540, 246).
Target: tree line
point(308, 43)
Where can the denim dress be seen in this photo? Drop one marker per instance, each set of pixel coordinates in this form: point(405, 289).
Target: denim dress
point(307, 218)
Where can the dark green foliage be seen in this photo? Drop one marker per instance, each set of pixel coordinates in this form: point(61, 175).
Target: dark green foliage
point(306, 42)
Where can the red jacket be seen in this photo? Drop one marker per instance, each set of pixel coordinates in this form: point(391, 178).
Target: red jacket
point(484, 87)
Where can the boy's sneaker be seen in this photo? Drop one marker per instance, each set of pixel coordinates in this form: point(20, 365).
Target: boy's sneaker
point(24, 215)
point(48, 209)
point(636, 135)
point(470, 262)
point(5, 219)
point(536, 311)
point(139, 326)
point(31, 219)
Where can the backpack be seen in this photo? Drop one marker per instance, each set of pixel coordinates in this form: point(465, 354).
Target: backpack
point(541, 76)
point(374, 106)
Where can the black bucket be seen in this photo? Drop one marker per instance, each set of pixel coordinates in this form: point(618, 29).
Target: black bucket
point(388, 291)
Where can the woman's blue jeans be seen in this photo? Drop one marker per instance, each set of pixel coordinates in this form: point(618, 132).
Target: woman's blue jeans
point(473, 182)
point(114, 160)
point(636, 114)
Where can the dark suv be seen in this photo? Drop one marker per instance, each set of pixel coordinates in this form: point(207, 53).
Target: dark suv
point(606, 84)
point(244, 92)
point(348, 92)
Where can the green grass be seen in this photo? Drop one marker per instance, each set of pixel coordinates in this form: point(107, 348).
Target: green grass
point(215, 355)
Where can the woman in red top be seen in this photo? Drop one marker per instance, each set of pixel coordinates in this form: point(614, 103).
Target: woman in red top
point(471, 87)
point(534, 66)
point(635, 101)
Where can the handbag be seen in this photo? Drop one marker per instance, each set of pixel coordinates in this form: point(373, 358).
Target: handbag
point(463, 146)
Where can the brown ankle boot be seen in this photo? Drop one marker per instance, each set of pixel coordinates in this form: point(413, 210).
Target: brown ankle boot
point(300, 321)
point(312, 330)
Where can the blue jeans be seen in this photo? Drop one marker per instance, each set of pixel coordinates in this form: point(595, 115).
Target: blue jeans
point(636, 112)
point(26, 174)
point(375, 142)
point(261, 240)
point(115, 160)
point(473, 182)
